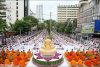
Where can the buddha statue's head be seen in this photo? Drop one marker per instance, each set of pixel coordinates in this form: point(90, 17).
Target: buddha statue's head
point(48, 37)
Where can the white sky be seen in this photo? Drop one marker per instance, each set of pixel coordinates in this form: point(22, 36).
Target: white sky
point(50, 6)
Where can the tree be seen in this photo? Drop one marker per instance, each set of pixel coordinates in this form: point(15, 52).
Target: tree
point(31, 20)
point(23, 25)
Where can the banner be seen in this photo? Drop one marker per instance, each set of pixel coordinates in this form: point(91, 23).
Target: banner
point(88, 28)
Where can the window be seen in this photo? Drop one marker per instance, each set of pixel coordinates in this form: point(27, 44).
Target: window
point(16, 0)
point(16, 7)
point(16, 15)
point(16, 12)
point(16, 3)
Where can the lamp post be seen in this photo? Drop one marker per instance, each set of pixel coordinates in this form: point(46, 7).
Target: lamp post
point(72, 27)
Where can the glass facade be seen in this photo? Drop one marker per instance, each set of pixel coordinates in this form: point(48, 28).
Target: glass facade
point(25, 8)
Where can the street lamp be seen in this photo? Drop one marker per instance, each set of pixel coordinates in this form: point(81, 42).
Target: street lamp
point(72, 27)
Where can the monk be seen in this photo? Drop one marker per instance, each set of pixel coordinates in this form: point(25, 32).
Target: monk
point(66, 52)
point(97, 57)
point(68, 55)
point(27, 55)
point(25, 58)
point(29, 51)
point(4, 56)
point(14, 55)
point(24, 52)
point(77, 58)
point(21, 54)
point(18, 58)
point(80, 54)
point(18, 52)
point(87, 54)
point(74, 55)
point(95, 61)
point(91, 58)
point(15, 62)
point(97, 53)
point(70, 58)
point(92, 51)
point(88, 62)
point(2, 51)
point(7, 62)
point(1, 60)
point(22, 63)
point(83, 52)
point(88, 51)
point(11, 58)
point(9, 54)
point(13, 51)
point(73, 62)
point(77, 52)
point(83, 58)
point(72, 51)
point(7, 51)
point(80, 62)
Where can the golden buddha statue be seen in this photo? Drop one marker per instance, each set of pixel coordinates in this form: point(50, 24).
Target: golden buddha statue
point(47, 49)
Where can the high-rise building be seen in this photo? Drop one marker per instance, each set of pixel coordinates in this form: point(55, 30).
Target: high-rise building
point(67, 12)
point(39, 12)
point(16, 10)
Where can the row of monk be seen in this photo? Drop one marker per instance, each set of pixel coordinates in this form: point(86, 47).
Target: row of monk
point(78, 58)
point(17, 57)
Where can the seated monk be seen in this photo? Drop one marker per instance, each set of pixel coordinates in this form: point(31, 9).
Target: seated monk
point(77, 52)
point(74, 55)
point(24, 52)
point(11, 58)
point(14, 55)
point(7, 62)
point(80, 54)
point(70, 58)
point(18, 52)
point(83, 57)
point(13, 51)
point(72, 51)
point(77, 58)
point(25, 58)
point(92, 51)
point(91, 58)
point(22, 63)
point(4, 56)
point(2, 51)
point(88, 51)
point(80, 62)
point(87, 54)
point(97, 53)
point(7, 51)
point(29, 51)
point(1, 60)
point(97, 57)
point(66, 52)
point(88, 62)
point(83, 52)
point(21, 54)
point(68, 55)
point(27, 55)
point(9, 54)
point(95, 61)
point(15, 62)
point(47, 44)
point(18, 58)
point(73, 62)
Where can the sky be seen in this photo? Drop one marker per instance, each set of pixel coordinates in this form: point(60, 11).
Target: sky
point(50, 6)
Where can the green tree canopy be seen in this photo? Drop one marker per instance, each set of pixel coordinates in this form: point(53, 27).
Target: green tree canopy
point(23, 25)
point(31, 20)
point(68, 29)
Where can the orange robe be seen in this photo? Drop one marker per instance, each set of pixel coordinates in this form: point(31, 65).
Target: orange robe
point(66, 53)
point(15, 62)
point(2, 51)
point(95, 62)
point(24, 53)
point(9, 54)
point(13, 51)
point(97, 57)
point(83, 52)
point(92, 51)
point(76, 58)
point(71, 52)
point(70, 58)
point(77, 52)
point(15, 55)
point(27, 55)
point(4, 57)
point(74, 55)
point(18, 58)
point(80, 62)
point(80, 54)
point(22, 63)
point(73, 63)
point(11, 58)
point(88, 63)
point(91, 58)
point(88, 51)
point(7, 51)
point(29, 52)
point(97, 54)
point(83, 58)
point(1, 60)
point(18, 52)
point(21, 55)
point(25, 59)
point(7, 62)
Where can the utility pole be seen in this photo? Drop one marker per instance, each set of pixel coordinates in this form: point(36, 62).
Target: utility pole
point(50, 23)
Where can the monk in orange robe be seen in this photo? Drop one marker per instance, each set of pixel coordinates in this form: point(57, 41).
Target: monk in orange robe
point(1, 60)
point(15, 62)
point(7, 51)
point(21, 54)
point(15, 55)
point(77, 58)
point(73, 62)
point(80, 54)
point(9, 54)
point(27, 55)
point(72, 51)
point(87, 54)
point(88, 51)
point(95, 61)
point(83, 57)
point(22, 63)
point(7, 62)
point(13, 51)
point(88, 62)
point(80, 62)
point(97, 57)
point(4, 56)
point(18, 58)
point(91, 58)
point(18, 52)
point(92, 51)
point(68, 55)
point(74, 55)
point(83, 52)
point(11, 58)
point(25, 58)
point(29, 51)
point(97, 53)
point(77, 52)
point(24, 52)
point(2, 51)
point(70, 58)
point(66, 52)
